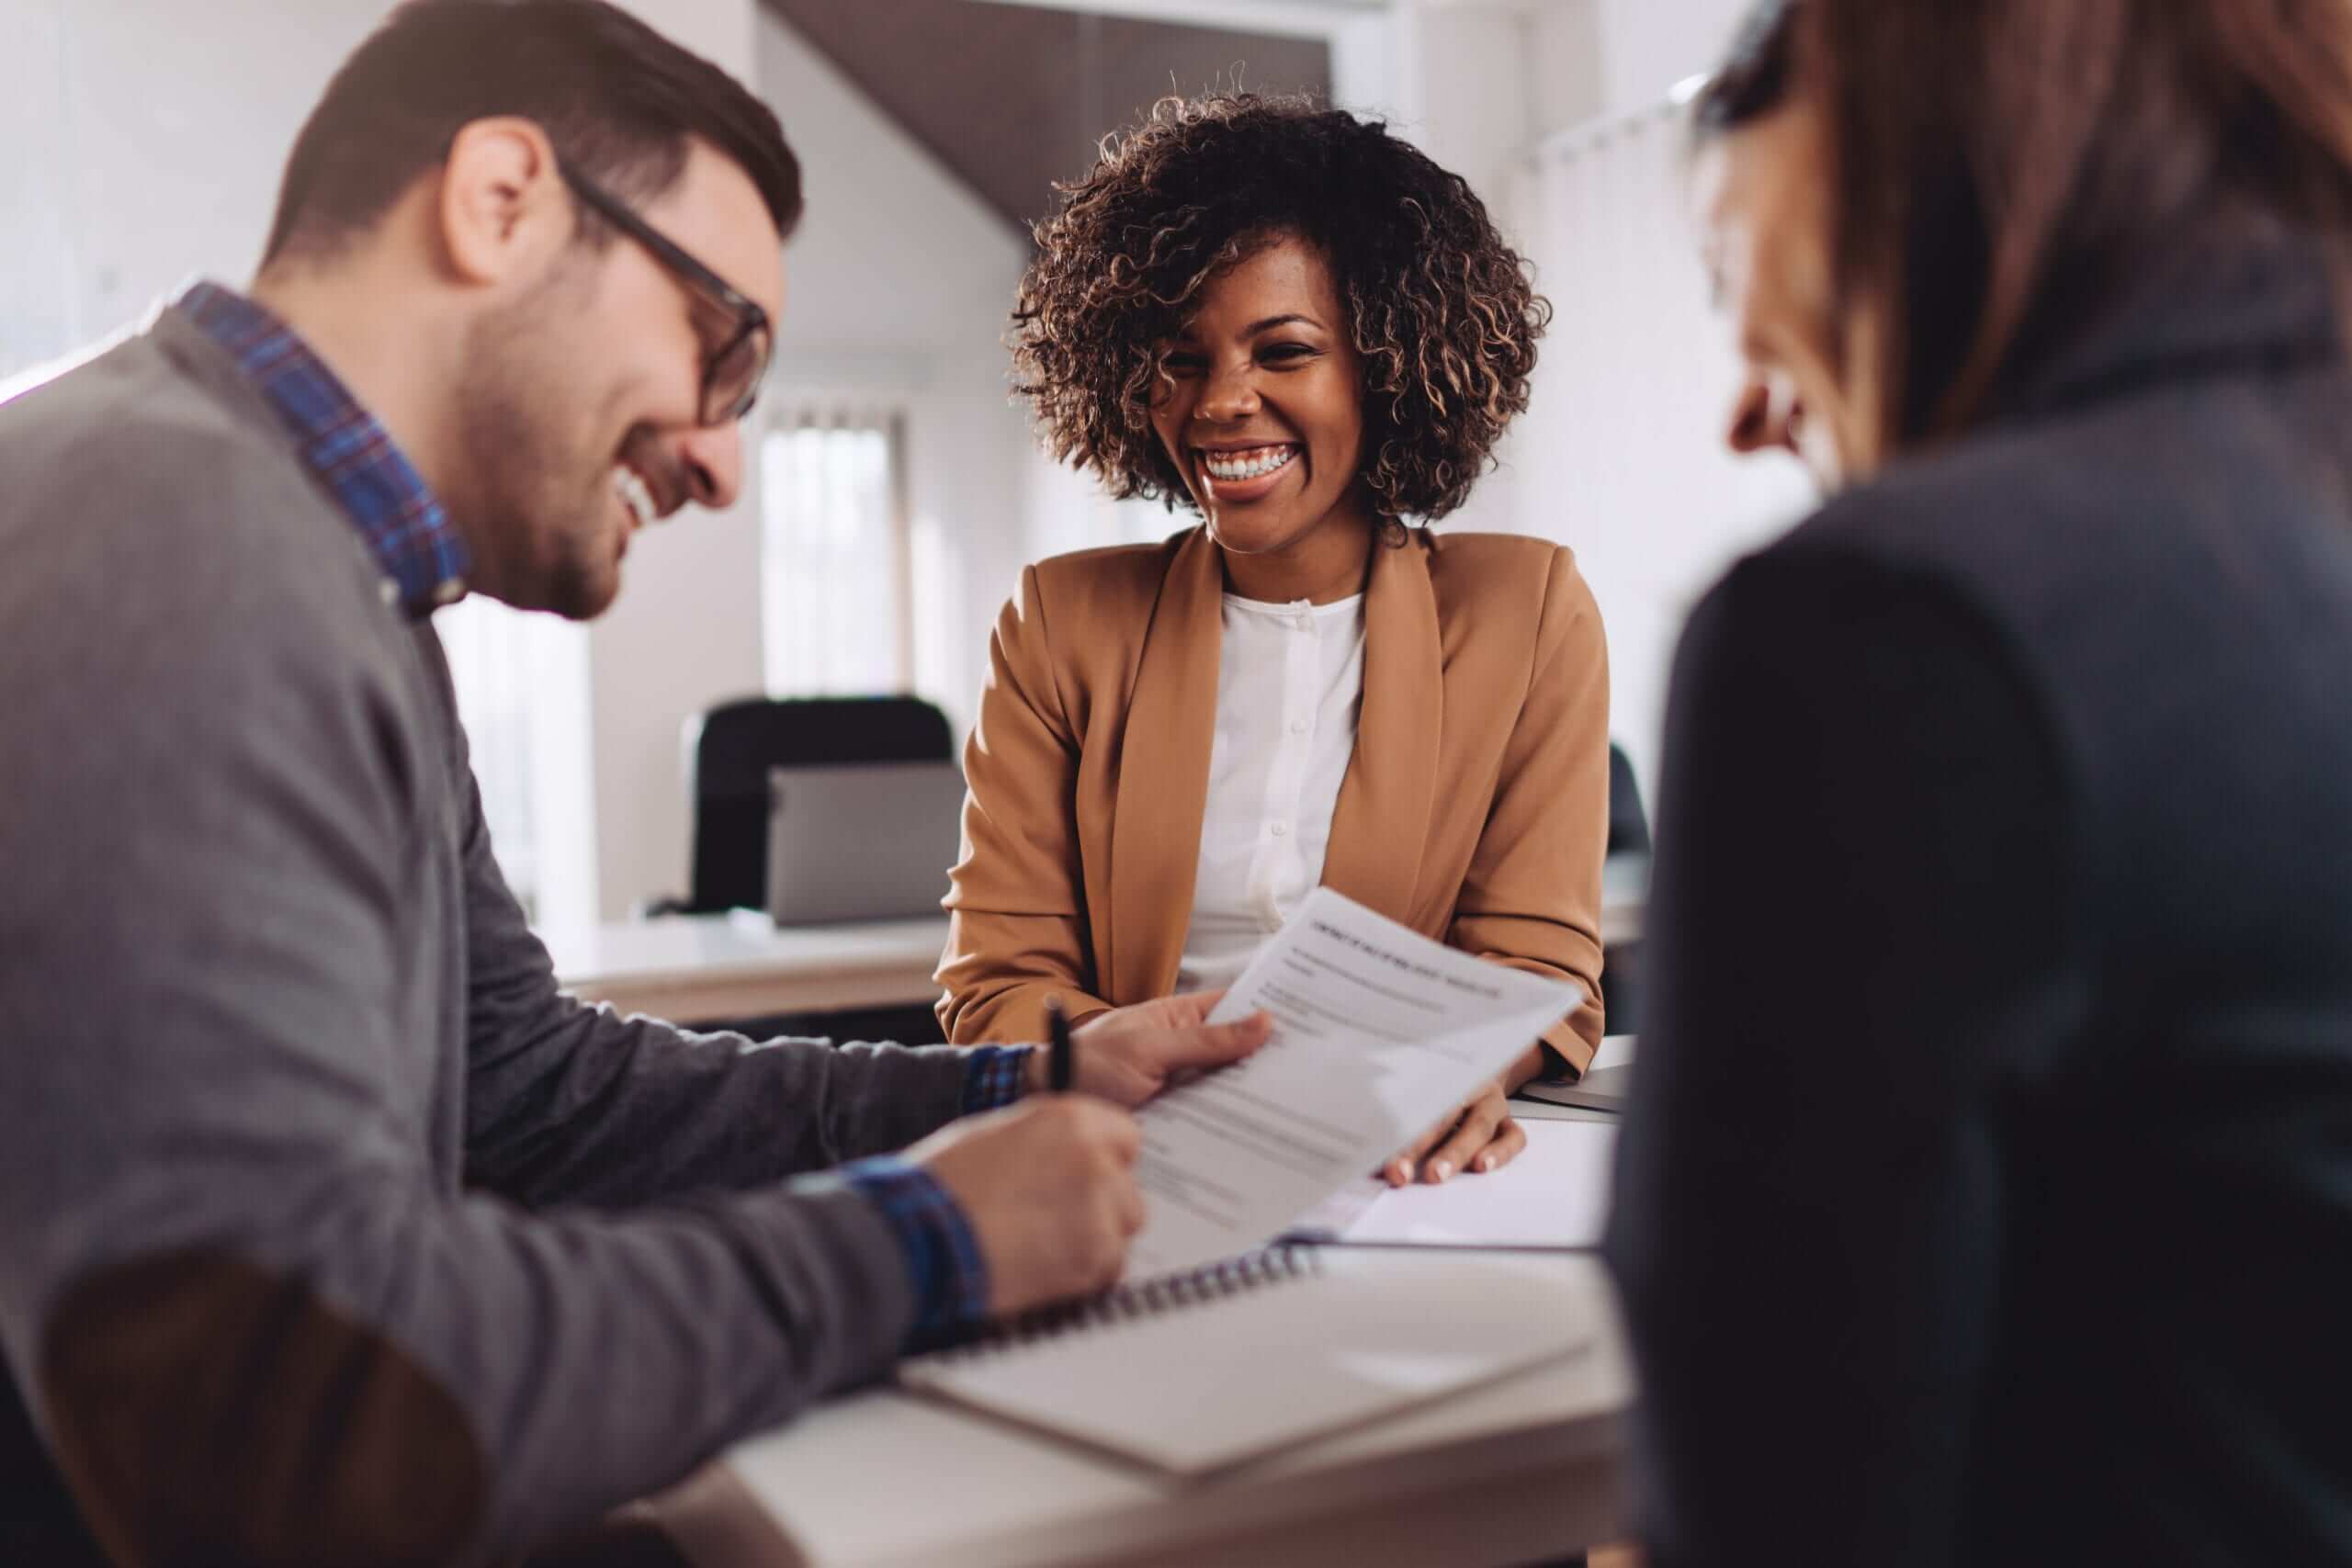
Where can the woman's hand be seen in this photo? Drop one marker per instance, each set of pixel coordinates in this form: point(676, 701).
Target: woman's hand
point(1127, 1055)
point(1480, 1134)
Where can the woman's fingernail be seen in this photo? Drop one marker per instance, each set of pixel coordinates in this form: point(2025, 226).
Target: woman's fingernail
point(1485, 1162)
point(1404, 1170)
point(1440, 1170)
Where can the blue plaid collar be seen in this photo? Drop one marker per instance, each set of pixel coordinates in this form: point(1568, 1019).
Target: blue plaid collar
point(396, 513)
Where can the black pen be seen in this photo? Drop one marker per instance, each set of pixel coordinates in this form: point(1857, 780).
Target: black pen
point(1061, 1062)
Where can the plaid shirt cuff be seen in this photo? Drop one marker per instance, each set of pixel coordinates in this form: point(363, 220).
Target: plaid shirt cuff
point(992, 1076)
point(951, 1279)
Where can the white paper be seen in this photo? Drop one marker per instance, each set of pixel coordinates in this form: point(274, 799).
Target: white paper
point(1378, 1031)
point(1555, 1193)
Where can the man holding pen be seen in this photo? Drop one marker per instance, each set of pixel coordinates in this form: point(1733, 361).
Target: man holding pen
point(330, 1231)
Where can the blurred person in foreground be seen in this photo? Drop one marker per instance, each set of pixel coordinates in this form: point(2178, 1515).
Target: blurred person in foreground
point(2032, 1242)
point(330, 1231)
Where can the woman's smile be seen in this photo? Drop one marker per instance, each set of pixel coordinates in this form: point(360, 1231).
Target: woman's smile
point(1238, 476)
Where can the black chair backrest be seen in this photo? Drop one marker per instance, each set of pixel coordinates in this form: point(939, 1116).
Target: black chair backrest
point(1629, 828)
point(1629, 834)
point(740, 742)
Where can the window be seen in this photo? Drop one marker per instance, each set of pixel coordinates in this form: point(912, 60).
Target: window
point(521, 682)
point(837, 554)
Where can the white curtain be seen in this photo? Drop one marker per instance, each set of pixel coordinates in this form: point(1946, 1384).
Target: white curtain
point(836, 553)
point(1620, 454)
point(522, 683)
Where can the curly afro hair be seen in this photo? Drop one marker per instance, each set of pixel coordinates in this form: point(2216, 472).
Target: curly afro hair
point(1438, 305)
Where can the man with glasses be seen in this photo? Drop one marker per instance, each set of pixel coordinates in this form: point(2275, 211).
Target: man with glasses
point(330, 1232)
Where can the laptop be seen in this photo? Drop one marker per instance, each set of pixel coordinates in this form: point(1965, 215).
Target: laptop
point(861, 840)
point(1605, 1084)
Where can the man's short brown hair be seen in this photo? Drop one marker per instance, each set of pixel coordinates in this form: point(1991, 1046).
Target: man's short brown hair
point(619, 101)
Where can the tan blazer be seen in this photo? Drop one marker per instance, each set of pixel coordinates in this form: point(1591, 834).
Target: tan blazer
point(1475, 809)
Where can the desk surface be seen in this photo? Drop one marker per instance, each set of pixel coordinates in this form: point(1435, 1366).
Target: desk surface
point(690, 968)
point(1520, 1471)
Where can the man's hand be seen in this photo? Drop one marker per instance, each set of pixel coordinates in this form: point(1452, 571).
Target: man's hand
point(1479, 1134)
point(1127, 1055)
point(1049, 1191)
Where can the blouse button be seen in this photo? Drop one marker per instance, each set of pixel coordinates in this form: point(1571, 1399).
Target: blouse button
point(1298, 727)
point(1282, 830)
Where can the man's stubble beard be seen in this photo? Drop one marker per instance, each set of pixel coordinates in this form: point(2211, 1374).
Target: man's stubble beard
point(543, 503)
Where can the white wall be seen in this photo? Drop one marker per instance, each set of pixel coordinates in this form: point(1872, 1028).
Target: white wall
point(900, 280)
point(1568, 48)
point(897, 285)
point(1620, 455)
point(1474, 82)
point(143, 143)
point(1649, 45)
point(900, 284)
point(686, 631)
point(37, 268)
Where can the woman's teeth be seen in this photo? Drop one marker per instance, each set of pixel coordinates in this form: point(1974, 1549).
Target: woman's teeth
point(1233, 467)
point(635, 495)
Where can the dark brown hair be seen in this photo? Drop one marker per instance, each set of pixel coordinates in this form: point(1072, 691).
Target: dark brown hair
point(619, 100)
point(2001, 167)
point(1438, 307)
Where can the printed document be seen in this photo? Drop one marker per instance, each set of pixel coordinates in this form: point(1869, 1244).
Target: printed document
point(1556, 1194)
point(1377, 1032)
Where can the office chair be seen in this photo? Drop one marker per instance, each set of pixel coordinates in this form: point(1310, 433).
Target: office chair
point(1629, 834)
point(730, 749)
point(1629, 826)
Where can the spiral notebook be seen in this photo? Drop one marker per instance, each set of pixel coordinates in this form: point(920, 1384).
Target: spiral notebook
point(1199, 1371)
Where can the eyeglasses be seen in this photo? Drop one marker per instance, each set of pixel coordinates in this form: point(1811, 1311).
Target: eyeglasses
point(733, 373)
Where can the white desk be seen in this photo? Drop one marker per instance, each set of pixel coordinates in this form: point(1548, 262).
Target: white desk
point(689, 969)
point(1515, 1472)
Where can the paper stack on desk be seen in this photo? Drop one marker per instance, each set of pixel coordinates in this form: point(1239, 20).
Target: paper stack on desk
point(1216, 1353)
point(1229, 1364)
point(1554, 1196)
point(1378, 1031)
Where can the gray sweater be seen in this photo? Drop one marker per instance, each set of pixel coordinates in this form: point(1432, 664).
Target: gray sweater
point(330, 1232)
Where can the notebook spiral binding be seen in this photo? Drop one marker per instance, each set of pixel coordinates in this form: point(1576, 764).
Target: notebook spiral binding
point(1146, 1298)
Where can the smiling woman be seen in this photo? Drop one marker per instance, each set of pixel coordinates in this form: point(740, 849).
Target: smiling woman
point(1260, 410)
point(1293, 323)
point(1438, 305)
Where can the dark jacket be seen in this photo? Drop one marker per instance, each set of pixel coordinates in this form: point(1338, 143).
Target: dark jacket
point(1987, 1193)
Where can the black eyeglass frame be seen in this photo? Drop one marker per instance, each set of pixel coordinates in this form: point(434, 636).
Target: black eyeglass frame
point(751, 321)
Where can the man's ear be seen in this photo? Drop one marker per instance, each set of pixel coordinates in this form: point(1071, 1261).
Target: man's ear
point(504, 209)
